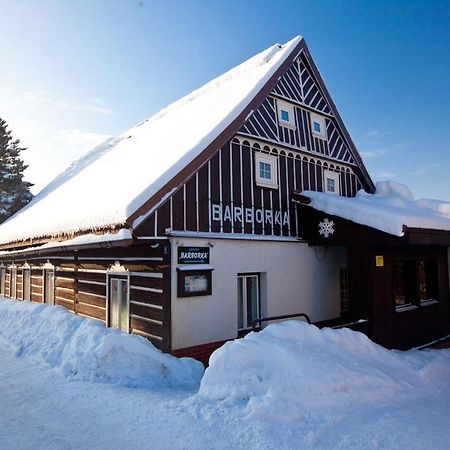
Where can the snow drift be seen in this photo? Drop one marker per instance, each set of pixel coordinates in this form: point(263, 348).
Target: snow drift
point(291, 370)
point(85, 349)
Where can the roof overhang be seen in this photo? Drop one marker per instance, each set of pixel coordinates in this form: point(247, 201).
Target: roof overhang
point(346, 232)
point(122, 238)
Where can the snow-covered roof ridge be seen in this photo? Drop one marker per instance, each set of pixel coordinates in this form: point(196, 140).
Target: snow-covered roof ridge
point(107, 185)
point(390, 209)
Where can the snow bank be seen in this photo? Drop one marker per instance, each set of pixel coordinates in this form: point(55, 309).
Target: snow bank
point(389, 209)
point(85, 349)
point(292, 369)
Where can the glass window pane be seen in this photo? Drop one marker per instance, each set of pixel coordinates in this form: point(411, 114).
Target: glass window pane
point(285, 115)
point(252, 299)
point(124, 305)
point(316, 127)
point(114, 303)
point(240, 303)
point(430, 280)
point(330, 185)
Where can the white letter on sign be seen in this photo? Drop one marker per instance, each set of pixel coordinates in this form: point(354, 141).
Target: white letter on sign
point(216, 212)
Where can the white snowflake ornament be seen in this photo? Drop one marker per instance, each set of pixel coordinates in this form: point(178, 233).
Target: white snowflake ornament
point(326, 228)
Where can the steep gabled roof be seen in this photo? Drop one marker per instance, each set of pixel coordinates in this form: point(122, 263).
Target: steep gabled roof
point(110, 184)
point(116, 184)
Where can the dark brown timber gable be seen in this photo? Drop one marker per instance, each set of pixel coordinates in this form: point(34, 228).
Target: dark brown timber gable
point(217, 191)
point(185, 175)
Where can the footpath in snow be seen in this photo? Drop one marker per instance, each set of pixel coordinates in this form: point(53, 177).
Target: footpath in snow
point(69, 382)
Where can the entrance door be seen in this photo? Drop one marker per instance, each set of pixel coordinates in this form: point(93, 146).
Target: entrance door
point(248, 300)
point(118, 303)
point(49, 287)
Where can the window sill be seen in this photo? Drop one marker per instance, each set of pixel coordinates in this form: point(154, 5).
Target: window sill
point(287, 125)
point(319, 136)
point(401, 309)
point(429, 302)
point(266, 185)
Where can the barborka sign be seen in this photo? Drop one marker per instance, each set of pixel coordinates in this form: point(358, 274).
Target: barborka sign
point(250, 215)
point(193, 255)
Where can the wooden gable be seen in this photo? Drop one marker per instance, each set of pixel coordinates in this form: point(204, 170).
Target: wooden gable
point(301, 89)
point(220, 194)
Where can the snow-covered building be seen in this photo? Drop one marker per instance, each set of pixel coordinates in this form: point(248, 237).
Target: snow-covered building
point(235, 203)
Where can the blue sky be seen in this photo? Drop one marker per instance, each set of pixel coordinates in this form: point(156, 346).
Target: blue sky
point(76, 72)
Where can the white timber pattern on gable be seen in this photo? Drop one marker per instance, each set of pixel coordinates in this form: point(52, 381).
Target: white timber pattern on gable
point(298, 87)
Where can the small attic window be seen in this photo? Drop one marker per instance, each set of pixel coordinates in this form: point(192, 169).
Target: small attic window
point(266, 170)
point(318, 126)
point(285, 114)
point(331, 182)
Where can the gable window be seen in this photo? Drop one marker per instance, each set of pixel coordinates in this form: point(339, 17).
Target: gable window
point(285, 114)
point(266, 170)
point(318, 126)
point(415, 282)
point(248, 299)
point(331, 182)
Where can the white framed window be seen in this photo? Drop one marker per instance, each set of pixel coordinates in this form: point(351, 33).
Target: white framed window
point(118, 304)
point(26, 282)
point(286, 116)
point(248, 299)
point(331, 182)
point(266, 170)
point(318, 126)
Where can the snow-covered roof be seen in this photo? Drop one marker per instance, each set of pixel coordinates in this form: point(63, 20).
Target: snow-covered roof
point(109, 184)
point(390, 209)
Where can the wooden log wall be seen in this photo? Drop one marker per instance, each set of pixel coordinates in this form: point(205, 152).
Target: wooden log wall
point(81, 284)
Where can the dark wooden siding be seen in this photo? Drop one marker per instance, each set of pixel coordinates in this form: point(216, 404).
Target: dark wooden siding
point(81, 284)
point(227, 182)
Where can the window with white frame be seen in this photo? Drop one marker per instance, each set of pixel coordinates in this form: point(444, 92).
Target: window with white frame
point(286, 116)
point(248, 299)
point(331, 182)
point(26, 283)
point(318, 126)
point(266, 170)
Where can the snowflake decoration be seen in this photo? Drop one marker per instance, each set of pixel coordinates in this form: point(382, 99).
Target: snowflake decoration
point(326, 228)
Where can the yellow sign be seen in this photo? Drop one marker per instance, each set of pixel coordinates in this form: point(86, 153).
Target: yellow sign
point(379, 260)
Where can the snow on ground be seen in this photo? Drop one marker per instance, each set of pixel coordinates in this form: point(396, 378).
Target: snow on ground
point(290, 386)
point(85, 349)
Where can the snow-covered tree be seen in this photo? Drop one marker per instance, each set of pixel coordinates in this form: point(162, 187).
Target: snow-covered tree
point(14, 190)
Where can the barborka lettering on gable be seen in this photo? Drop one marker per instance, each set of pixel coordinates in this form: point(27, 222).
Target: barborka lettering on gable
point(227, 213)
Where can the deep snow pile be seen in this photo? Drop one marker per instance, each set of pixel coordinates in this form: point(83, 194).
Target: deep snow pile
point(389, 209)
point(291, 370)
point(85, 349)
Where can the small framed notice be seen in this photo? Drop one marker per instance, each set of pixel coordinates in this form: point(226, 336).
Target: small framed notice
point(194, 283)
point(379, 261)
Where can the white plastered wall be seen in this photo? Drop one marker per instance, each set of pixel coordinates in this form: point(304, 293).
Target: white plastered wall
point(294, 278)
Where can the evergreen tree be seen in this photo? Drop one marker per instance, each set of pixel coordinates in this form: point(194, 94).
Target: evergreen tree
point(14, 190)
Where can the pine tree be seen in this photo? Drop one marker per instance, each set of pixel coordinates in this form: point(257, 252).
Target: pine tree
point(14, 190)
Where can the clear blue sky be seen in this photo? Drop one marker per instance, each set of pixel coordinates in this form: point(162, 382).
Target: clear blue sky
point(74, 72)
